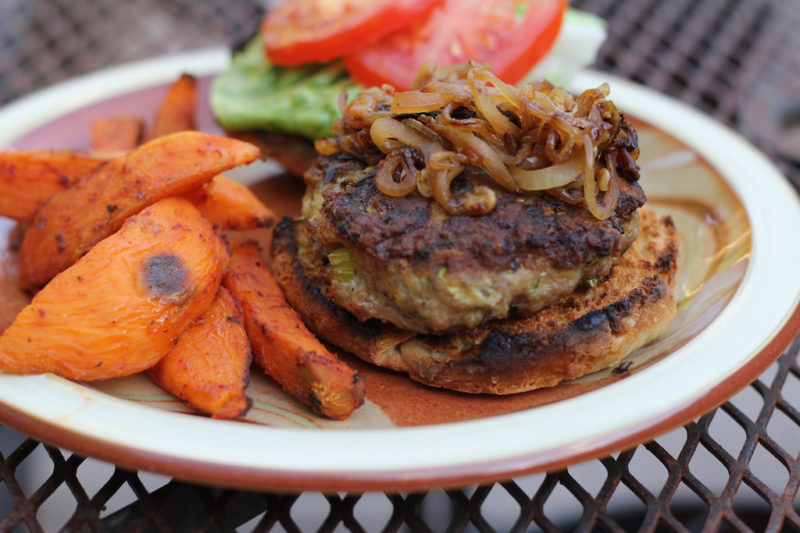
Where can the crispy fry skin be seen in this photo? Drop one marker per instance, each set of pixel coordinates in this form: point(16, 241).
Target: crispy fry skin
point(283, 346)
point(117, 133)
point(29, 178)
point(176, 112)
point(224, 202)
point(119, 309)
point(95, 207)
point(209, 366)
point(228, 204)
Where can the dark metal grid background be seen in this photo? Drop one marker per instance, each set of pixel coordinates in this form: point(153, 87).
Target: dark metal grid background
point(735, 468)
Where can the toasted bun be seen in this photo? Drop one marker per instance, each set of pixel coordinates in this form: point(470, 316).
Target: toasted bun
point(591, 330)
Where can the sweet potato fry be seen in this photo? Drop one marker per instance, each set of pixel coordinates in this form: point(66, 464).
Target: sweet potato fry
point(176, 112)
point(29, 178)
point(228, 204)
point(209, 366)
point(283, 346)
point(117, 133)
point(93, 208)
point(119, 309)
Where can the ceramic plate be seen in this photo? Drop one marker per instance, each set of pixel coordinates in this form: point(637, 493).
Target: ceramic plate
point(738, 294)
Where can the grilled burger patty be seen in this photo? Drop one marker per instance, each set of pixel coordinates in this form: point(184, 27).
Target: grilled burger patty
point(405, 261)
point(591, 329)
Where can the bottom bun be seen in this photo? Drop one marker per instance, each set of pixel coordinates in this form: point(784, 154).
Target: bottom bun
point(593, 329)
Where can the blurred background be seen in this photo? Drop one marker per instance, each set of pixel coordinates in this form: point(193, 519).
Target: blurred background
point(737, 60)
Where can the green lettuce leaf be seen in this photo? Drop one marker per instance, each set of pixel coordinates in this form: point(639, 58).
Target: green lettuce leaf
point(254, 94)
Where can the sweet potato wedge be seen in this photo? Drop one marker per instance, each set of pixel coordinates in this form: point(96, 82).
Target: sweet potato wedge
point(121, 307)
point(228, 204)
point(209, 366)
point(283, 346)
point(117, 133)
point(176, 112)
point(29, 178)
point(74, 220)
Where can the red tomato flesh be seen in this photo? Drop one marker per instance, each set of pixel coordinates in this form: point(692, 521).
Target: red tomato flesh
point(510, 36)
point(312, 31)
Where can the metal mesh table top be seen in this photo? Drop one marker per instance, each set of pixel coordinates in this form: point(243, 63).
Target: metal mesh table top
point(737, 467)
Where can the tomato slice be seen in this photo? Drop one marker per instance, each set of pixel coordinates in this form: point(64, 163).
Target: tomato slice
point(310, 31)
point(510, 36)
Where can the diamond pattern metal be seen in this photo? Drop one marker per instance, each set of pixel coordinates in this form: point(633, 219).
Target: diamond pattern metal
point(735, 468)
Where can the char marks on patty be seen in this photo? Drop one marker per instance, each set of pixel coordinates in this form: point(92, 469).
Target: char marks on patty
point(387, 228)
point(405, 261)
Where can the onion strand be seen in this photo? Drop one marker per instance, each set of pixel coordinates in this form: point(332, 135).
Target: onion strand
point(528, 139)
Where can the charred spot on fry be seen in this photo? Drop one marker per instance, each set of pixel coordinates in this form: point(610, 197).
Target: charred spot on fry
point(166, 277)
point(162, 168)
point(130, 295)
point(315, 403)
point(15, 237)
point(10, 173)
point(622, 368)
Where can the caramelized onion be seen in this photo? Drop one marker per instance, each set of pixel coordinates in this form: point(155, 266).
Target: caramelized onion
point(408, 102)
point(478, 126)
point(482, 154)
point(366, 107)
point(509, 92)
point(440, 187)
point(424, 75)
point(444, 166)
point(488, 108)
point(389, 134)
point(588, 151)
point(424, 182)
point(477, 201)
point(396, 164)
point(326, 146)
point(447, 160)
point(458, 90)
point(550, 177)
point(528, 139)
point(570, 193)
point(603, 207)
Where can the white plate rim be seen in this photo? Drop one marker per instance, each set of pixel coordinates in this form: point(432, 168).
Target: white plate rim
point(749, 334)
